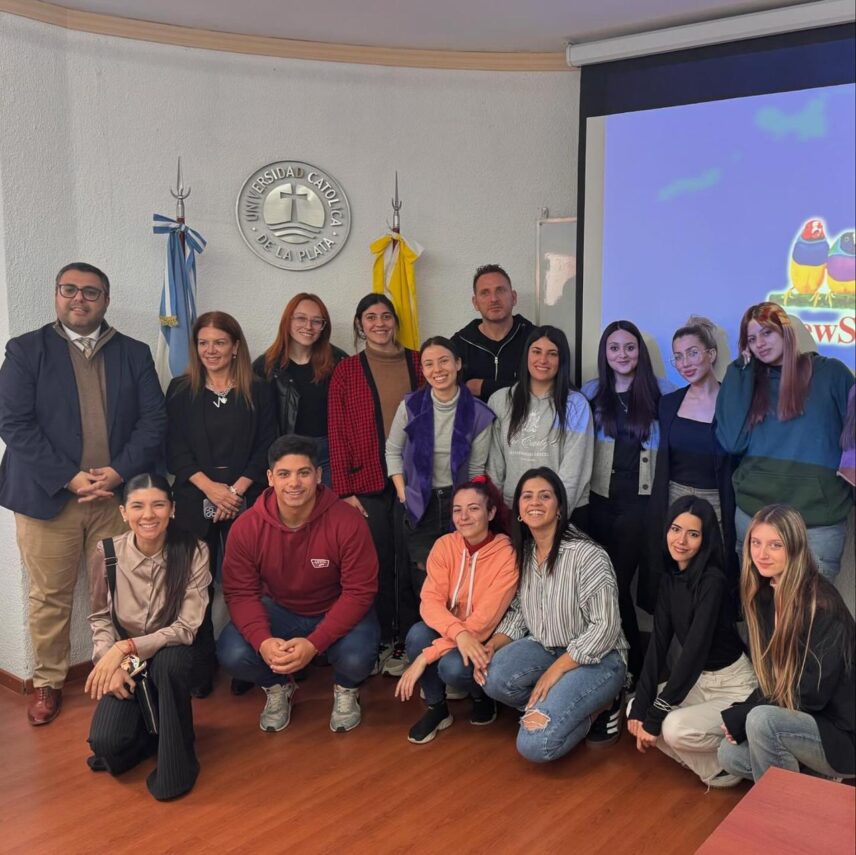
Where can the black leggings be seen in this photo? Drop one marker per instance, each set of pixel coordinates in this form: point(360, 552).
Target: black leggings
point(380, 510)
point(119, 738)
point(204, 650)
point(618, 525)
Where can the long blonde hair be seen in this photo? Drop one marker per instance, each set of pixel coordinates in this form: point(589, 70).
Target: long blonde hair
point(778, 661)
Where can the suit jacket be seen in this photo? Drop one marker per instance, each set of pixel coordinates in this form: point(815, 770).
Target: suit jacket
point(41, 425)
point(189, 451)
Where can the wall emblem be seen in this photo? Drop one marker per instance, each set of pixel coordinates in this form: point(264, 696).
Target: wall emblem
point(293, 215)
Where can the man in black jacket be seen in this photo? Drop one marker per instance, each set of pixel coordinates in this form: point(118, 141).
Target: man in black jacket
point(491, 348)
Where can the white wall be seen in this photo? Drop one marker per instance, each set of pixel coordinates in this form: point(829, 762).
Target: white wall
point(90, 128)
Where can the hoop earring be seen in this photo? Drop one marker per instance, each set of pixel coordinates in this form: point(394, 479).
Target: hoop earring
point(519, 518)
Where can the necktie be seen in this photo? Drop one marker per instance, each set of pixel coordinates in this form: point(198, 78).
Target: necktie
point(88, 345)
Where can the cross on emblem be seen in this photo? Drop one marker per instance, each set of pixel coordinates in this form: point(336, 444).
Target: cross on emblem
point(293, 197)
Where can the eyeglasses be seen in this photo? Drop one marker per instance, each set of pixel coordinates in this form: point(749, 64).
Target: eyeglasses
point(90, 292)
point(691, 357)
point(303, 321)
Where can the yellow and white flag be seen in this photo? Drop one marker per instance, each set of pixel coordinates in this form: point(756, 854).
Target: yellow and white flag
point(392, 274)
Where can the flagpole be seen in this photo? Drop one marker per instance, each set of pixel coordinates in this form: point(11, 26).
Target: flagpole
point(180, 194)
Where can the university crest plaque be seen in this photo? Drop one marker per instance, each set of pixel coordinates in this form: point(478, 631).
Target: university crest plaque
point(293, 215)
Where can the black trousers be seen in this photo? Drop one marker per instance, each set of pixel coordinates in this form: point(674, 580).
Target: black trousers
point(618, 525)
point(418, 542)
point(204, 649)
point(380, 509)
point(118, 736)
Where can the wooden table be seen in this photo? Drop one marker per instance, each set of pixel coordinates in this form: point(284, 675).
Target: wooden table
point(788, 814)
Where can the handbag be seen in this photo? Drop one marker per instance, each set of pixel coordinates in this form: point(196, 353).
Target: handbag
point(144, 689)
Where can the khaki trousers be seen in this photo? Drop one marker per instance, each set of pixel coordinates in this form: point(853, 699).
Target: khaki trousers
point(52, 551)
point(691, 734)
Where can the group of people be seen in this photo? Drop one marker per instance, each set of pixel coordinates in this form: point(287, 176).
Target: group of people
point(461, 518)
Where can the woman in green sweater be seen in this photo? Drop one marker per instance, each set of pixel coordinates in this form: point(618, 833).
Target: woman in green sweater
point(783, 411)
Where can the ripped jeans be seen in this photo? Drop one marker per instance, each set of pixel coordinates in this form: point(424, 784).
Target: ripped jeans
point(567, 710)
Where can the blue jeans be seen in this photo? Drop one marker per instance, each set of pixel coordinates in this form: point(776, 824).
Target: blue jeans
point(776, 737)
point(826, 543)
point(352, 656)
point(570, 704)
point(449, 670)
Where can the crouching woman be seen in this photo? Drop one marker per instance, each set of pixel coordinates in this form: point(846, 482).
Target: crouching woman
point(801, 637)
point(558, 654)
point(149, 598)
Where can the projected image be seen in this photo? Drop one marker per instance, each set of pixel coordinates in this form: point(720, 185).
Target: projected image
point(711, 207)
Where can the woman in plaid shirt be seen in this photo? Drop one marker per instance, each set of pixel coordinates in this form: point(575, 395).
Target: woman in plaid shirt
point(365, 392)
point(559, 654)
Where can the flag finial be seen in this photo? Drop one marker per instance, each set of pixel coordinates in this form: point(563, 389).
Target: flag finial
point(179, 194)
point(396, 207)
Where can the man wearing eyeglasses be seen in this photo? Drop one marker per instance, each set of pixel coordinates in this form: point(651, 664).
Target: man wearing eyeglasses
point(81, 411)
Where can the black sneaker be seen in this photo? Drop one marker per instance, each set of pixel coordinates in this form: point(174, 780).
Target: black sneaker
point(436, 718)
point(484, 711)
point(606, 728)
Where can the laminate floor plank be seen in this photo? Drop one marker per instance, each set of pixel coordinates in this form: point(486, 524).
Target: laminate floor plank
point(307, 790)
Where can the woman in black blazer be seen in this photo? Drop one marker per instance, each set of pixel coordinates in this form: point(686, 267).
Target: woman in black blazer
point(690, 460)
point(221, 422)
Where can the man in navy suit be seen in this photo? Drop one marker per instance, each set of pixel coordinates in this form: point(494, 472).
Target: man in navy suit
point(81, 411)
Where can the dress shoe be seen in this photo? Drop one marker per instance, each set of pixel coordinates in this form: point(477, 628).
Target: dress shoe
point(240, 687)
point(44, 706)
point(202, 690)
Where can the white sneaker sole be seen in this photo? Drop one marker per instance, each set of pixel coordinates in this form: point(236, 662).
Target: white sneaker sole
point(343, 729)
point(264, 729)
point(447, 722)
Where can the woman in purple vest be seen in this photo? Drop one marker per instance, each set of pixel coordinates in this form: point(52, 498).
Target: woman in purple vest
point(439, 438)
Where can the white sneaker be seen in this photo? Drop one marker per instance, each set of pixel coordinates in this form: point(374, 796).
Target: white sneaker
point(397, 664)
point(277, 712)
point(451, 694)
point(346, 713)
point(723, 780)
point(384, 651)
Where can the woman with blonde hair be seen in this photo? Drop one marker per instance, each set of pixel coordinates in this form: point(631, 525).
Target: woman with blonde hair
point(801, 639)
point(298, 366)
point(690, 460)
point(783, 411)
point(221, 423)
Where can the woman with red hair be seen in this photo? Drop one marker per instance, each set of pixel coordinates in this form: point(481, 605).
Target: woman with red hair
point(783, 411)
point(298, 366)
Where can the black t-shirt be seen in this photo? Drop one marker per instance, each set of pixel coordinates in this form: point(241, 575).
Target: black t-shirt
point(312, 409)
point(692, 453)
point(625, 456)
point(222, 423)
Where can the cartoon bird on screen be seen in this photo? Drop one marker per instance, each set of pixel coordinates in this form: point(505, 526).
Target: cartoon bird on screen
point(809, 256)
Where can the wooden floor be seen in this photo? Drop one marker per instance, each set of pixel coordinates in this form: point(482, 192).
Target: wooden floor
point(307, 790)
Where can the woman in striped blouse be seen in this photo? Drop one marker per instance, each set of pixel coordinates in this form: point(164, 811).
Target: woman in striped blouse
point(558, 654)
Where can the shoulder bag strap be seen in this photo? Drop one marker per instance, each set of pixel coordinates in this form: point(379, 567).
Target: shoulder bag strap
point(111, 561)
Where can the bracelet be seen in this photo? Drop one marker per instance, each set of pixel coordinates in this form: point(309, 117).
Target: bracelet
point(132, 647)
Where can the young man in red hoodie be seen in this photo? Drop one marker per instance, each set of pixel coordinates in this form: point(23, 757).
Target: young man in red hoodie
point(299, 578)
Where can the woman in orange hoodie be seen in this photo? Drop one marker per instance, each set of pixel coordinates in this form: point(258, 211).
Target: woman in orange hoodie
point(472, 577)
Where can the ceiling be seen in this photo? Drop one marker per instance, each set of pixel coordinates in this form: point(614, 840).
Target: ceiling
point(457, 25)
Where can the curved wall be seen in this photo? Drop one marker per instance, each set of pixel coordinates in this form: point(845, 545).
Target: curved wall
point(92, 125)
